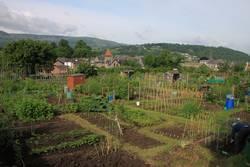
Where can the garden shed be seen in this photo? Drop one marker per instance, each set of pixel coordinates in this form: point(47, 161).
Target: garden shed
point(74, 80)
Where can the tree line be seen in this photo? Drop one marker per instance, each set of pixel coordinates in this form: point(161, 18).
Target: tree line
point(24, 53)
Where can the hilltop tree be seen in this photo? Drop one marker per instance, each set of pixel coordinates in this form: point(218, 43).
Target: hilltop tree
point(82, 49)
point(166, 59)
point(26, 54)
point(63, 49)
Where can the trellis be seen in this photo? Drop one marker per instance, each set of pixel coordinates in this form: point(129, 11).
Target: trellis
point(157, 94)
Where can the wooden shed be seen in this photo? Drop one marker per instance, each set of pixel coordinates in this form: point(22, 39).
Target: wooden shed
point(74, 80)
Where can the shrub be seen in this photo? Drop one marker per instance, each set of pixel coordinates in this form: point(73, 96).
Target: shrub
point(190, 109)
point(94, 104)
point(33, 109)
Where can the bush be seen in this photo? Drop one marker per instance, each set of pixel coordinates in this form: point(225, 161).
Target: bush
point(190, 109)
point(33, 109)
point(94, 104)
point(88, 104)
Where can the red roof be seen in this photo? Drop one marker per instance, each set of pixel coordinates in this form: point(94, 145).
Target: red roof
point(108, 53)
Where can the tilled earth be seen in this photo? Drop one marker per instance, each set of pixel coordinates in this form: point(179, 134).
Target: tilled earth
point(86, 157)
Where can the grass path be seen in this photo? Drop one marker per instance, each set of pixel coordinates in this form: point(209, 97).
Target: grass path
point(147, 155)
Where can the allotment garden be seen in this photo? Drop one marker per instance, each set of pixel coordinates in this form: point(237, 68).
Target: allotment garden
point(119, 120)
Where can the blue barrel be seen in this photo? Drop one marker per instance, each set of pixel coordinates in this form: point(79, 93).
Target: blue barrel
point(229, 102)
point(248, 91)
point(110, 98)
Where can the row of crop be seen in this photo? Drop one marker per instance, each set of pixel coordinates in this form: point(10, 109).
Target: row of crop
point(86, 140)
point(31, 108)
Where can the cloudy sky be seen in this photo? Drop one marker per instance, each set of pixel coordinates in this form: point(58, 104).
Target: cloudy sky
point(206, 22)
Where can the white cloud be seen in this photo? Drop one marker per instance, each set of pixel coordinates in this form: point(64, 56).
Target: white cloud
point(213, 22)
point(26, 22)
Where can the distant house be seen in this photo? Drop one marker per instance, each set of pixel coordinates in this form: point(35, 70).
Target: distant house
point(64, 65)
point(204, 60)
point(247, 67)
point(211, 63)
point(59, 68)
point(106, 60)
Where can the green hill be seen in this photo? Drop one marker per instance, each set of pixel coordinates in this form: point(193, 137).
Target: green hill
point(93, 42)
point(145, 49)
point(194, 50)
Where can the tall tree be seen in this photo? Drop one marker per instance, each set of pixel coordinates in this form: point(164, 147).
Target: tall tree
point(165, 59)
point(26, 54)
point(64, 49)
point(82, 49)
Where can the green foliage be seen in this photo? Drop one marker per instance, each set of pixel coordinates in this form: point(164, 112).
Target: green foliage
point(26, 54)
point(225, 67)
point(82, 49)
point(166, 59)
point(86, 140)
point(94, 104)
point(30, 109)
point(239, 67)
point(190, 109)
point(64, 49)
point(203, 69)
point(108, 83)
point(87, 70)
point(195, 50)
point(88, 104)
point(131, 63)
point(137, 116)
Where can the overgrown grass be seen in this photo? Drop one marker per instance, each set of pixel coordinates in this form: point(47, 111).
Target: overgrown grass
point(138, 117)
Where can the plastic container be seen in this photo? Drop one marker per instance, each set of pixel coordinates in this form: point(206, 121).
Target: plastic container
point(229, 102)
point(110, 98)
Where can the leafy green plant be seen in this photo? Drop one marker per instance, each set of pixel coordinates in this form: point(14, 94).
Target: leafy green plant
point(86, 140)
point(190, 109)
point(30, 109)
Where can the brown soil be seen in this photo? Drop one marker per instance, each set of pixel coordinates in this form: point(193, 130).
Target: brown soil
point(188, 156)
point(51, 126)
point(243, 115)
point(173, 132)
point(129, 135)
point(50, 141)
point(212, 107)
point(102, 122)
point(135, 138)
point(85, 157)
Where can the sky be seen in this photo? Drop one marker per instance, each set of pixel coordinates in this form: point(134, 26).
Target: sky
point(203, 22)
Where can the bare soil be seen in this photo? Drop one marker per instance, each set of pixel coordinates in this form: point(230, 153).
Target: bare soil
point(212, 107)
point(179, 156)
point(86, 157)
point(135, 138)
point(129, 135)
point(243, 115)
point(50, 141)
point(102, 122)
point(51, 126)
point(173, 132)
